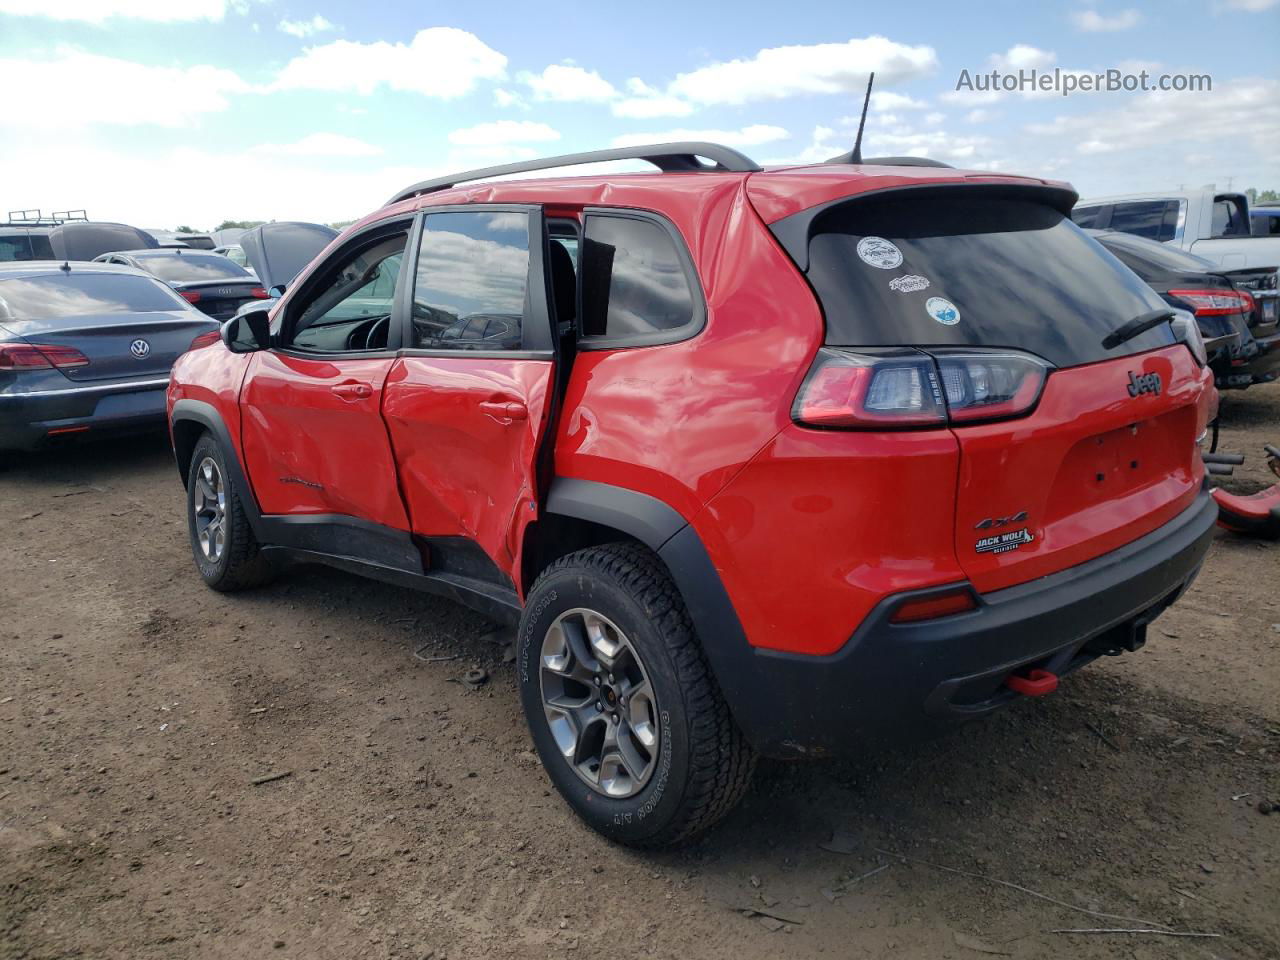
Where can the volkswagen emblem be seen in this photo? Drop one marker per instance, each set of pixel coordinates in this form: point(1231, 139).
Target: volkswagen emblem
point(140, 349)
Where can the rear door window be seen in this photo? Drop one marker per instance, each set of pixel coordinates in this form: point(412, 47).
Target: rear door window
point(471, 281)
point(933, 268)
point(636, 285)
point(1086, 217)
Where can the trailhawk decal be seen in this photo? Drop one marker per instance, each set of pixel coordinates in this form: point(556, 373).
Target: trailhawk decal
point(1004, 542)
point(879, 253)
point(908, 284)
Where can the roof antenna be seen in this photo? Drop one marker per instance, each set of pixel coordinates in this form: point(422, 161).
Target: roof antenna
point(856, 156)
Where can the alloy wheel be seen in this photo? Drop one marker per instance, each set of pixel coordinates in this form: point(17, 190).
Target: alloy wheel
point(209, 507)
point(599, 703)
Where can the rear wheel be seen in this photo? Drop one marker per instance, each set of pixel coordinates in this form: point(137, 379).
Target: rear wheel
point(623, 708)
point(222, 542)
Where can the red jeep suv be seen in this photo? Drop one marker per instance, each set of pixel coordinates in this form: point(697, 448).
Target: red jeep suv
point(771, 462)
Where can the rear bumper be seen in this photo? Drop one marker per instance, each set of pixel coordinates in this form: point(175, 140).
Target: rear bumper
point(28, 419)
point(892, 682)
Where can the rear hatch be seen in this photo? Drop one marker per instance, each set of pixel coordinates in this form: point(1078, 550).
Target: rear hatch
point(126, 325)
point(1261, 284)
point(214, 284)
point(1068, 447)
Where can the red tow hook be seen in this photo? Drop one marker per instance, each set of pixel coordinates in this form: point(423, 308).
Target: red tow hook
point(1037, 683)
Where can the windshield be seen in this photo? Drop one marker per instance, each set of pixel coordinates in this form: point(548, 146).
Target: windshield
point(86, 294)
point(189, 267)
point(938, 268)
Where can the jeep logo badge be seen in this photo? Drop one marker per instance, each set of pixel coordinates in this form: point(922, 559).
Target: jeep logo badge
point(1144, 383)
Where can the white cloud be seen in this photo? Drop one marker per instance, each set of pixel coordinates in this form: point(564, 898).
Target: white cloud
point(977, 116)
point(503, 131)
point(505, 99)
point(778, 72)
point(439, 62)
point(750, 136)
point(97, 11)
point(174, 96)
point(1091, 21)
point(306, 28)
point(1252, 6)
point(569, 84)
point(646, 103)
point(884, 100)
point(1240, 112)
point(320, 145)
point(1022, 56)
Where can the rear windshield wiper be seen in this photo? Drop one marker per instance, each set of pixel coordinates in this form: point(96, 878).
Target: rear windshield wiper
point(1139, 324)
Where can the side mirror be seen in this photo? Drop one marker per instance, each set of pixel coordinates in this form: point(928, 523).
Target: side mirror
point(277, 291)
point(248, 332)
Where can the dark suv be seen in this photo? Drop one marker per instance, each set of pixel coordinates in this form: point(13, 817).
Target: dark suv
point(762, 462)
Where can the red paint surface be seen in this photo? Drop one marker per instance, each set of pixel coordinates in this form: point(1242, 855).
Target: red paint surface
point(466, 469)
point(309, 449)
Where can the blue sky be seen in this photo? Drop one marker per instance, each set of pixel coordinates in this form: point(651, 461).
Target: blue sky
point(165, 111)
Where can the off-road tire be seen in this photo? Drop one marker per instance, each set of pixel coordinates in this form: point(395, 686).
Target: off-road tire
point(704, 763)
point(241, 564)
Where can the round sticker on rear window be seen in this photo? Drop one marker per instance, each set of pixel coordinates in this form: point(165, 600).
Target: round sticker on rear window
point(879, 252)
point(942, 310)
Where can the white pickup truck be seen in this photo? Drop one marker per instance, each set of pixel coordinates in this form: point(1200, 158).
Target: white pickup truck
point(1208, 223)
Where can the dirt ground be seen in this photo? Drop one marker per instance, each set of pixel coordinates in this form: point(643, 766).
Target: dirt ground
point(137, 707)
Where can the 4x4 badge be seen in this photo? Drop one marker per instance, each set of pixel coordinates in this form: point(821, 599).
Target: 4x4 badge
point(1004, 542)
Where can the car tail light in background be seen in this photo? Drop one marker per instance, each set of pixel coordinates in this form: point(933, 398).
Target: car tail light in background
point(37, 356)
point(1215, 303)
point(846, 389)
point(191, 296)
point(258, 293)
point(205, 340)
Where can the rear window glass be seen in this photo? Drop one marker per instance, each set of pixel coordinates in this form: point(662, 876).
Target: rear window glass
point(935, 269)
point(1086, 216)
point(1152, 219)
point(1156, 254)
point(189, 267)
point(633, 279)
point(87, 294)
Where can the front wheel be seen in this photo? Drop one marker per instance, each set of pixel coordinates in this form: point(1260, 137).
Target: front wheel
point(222, 542)
point(624, 710)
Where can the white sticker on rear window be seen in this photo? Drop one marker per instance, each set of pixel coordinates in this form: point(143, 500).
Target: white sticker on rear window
point(908, 284)
point(943, 310)
point(879, 252)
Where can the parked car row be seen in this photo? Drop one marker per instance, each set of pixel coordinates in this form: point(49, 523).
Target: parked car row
point(1222, 259)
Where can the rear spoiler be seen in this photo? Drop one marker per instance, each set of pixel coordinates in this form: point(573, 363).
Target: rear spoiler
point(793, 232)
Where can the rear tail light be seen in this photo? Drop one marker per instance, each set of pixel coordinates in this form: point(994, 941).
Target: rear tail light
point(258, 293)
point(1215, 303)
point(845, 389)
point(991, 386)
point(947, 604)
point(35, 356)
point(191, 296)
point(205, 340)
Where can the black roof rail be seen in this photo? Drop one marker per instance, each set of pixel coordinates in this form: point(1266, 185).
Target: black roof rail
point(668, 157)
point(891, 161)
